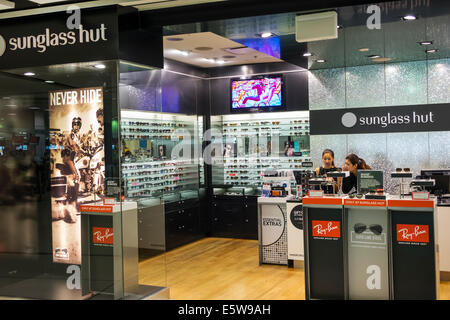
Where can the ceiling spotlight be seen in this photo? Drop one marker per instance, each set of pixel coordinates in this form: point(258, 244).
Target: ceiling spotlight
point(364, 49)
point(431, 51)
point(29, 74)
point(425, 43)
point(320, 60)
point(409, 17)
point(340, 27)
point(100, 66)
point(382, 59)
point(307, 54)
point(49, 81)
point(266, 34)
point(374, 56)
point(174, 39)
point(220, 61)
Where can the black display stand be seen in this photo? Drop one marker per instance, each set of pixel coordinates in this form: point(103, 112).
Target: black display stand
point(324, 250)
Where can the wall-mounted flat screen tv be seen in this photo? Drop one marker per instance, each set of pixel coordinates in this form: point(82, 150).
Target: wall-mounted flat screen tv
point(257, 93)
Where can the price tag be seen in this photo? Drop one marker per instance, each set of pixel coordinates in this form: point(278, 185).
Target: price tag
point(315, 193)
point(422, 195)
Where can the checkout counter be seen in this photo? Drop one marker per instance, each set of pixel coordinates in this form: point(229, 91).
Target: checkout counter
point(370, 248)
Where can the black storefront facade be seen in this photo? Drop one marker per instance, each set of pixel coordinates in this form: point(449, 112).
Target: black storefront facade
point(121, 52)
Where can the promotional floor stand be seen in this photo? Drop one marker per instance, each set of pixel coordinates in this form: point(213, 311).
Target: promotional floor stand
point(370, 249)
point(294, 209)
point(106, 266)
point(324, 248)
point(272, 231)
point(415, 261)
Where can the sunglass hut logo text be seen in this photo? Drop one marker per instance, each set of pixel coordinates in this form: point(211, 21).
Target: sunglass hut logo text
point(349, 119)
point(50, 39)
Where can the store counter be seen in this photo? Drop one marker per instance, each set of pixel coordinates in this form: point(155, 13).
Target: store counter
point(370, 249)
point(272, 231)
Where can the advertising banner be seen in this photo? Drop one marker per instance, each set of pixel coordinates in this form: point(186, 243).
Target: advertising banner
point(414, 255)
point(295, 230)
point(77, 164)
point(324, 252)
point(273, 234)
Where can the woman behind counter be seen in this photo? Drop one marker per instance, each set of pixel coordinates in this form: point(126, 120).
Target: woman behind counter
point(328, 165)
point(353, 163)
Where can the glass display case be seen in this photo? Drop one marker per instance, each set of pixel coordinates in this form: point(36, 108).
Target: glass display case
point(159, 156)
point(254, 144)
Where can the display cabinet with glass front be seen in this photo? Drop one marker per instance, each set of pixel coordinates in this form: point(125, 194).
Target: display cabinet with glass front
point(254, 144)
point(159, 155)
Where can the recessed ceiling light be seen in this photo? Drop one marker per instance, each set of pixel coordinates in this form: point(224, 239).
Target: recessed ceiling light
point(431, 51)
point(266, 34)
point(364, 49)
point(49, 81)
point(29, 74)
point(320, 60)
point(100, 66)
point(203, 48)
point(409, 17)
point(374, 56)
point(307, 54)
point(426, 43)
point(174, 39)
point(220, 61)
point(382, 59)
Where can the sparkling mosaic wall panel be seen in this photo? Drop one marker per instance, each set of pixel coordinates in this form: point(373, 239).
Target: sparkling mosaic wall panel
point(407, 150)
point(358, 93)
point(326, 89)
point(371, 147)
point(439, 149)
point(406, 83)
point(439, 81)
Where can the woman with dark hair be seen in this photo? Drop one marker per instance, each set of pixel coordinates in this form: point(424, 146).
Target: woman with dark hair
point(328, 163)
point(353, 163)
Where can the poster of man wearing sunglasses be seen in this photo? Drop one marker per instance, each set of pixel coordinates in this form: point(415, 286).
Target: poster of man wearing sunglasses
point(77, 164)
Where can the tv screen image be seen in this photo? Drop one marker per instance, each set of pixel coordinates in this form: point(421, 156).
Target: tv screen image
point(256, 93)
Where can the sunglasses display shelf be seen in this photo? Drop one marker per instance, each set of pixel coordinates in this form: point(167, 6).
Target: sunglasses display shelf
point(159, 178)
point(246, 168)
point(146, 177)
point(250, 171)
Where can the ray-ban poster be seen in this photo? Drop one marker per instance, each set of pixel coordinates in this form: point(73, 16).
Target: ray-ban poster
point(77, 164)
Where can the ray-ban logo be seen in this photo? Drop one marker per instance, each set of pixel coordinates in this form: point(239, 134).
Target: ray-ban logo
point(2, 45)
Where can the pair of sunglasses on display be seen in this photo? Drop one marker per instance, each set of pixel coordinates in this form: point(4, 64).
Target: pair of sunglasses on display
point(404, 170)
point(359, 195)
point(361, 227)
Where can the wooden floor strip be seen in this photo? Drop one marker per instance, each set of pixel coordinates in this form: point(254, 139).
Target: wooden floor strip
point(227, 269)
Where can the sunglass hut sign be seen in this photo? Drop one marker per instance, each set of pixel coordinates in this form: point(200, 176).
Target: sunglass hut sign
point(431, 117)
point(48, 39)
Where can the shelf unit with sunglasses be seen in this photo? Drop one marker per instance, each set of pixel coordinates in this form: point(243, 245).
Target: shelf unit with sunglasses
point(149, 172)
point(254, 143)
